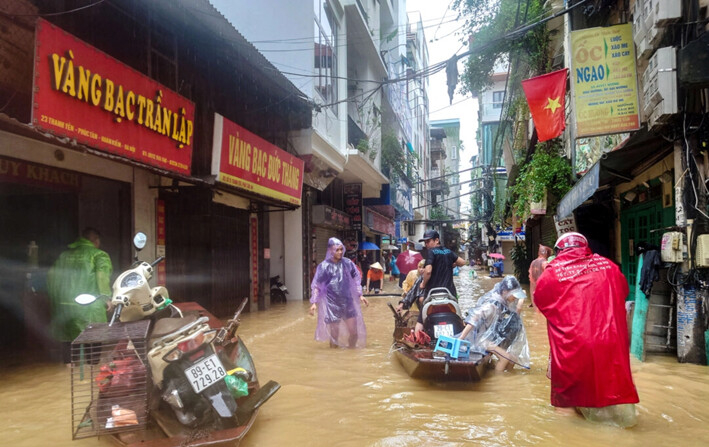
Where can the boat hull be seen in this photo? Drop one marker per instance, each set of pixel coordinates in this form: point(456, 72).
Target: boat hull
point(419, 362)
point(422, 364)
point(163, 429)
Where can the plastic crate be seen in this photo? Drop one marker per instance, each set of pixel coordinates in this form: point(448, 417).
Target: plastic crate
point(454, 347)
point(109, 379)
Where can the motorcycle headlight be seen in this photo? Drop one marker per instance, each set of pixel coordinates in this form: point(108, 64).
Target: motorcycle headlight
point(132, 279)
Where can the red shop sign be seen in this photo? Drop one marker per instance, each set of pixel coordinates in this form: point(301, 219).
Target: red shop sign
point(381, 223)
point(82, 93)
point(247, 161)
point(28, 173)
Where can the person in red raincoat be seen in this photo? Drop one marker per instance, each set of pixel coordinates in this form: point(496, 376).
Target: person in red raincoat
point(582, 295)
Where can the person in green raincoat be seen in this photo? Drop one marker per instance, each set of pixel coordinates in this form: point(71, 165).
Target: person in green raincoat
point(83, 268)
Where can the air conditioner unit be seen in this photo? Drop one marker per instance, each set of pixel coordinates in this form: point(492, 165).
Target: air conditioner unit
point(663, 60)
point(662, 112)
point(666, 12)
point(643, 48)
point(648, 14)
point(654, 35)
point(671, 247)
point(660, 86)
point(638, 22)
point(656, 15)
point(701, 257)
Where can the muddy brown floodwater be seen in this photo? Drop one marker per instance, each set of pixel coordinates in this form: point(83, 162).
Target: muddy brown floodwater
point(337, 397)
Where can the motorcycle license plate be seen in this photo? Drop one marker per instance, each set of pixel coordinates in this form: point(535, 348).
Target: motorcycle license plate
point(443, 329)
point(205, 373)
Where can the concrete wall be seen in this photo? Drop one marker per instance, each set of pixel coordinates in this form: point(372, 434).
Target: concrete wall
point(283, 32)
point(293, 253)
point(276, 243)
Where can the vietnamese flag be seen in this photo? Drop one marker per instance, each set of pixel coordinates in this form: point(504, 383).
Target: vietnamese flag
point(545, 96)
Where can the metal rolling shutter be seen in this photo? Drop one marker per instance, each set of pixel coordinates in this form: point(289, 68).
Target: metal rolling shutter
point(322, 234)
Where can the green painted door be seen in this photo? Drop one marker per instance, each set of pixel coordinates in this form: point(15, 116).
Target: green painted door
point(636, 225)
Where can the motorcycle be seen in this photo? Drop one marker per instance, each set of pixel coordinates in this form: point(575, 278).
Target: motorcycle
point(189, 365)
point(441, 314)
point(278, 290)
point(188, 359)
point(133, 299)
point(427, 355)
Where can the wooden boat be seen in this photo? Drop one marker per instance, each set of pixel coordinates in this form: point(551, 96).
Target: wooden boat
point(422, 362)
point(163, 430)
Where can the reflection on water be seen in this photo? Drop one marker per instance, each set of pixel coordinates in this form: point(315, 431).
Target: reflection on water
point(337, 397)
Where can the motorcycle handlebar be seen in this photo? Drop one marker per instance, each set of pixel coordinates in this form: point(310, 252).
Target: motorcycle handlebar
point(116, 314)
point(157, 261)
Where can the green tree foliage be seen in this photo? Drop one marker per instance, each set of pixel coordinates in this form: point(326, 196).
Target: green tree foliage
point(397, 161)
point(489, 22)
point(437, 213)
point(547, 171)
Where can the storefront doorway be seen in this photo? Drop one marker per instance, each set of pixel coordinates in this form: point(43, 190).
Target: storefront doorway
point(208, 257)
point(636, 225)
point(45, 209)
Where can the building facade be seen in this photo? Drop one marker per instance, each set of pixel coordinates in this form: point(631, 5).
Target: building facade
point(130, 116)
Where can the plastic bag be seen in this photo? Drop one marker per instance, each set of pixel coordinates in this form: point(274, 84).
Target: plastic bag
point(237, 386)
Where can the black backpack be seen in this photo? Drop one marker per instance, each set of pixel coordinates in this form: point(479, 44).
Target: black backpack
point(507, 327)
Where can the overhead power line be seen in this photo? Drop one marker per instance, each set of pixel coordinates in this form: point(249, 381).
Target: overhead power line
point(511, 35)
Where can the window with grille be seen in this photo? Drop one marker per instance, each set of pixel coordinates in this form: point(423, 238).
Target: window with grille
point(325, 54)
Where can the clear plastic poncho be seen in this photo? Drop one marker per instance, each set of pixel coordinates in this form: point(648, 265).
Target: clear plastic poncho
point(336, 290)
point(496, 323)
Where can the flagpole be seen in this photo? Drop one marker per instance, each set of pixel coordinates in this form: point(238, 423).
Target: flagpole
point(572, 127)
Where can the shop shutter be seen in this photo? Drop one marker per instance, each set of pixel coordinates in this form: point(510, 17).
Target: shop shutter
point(322, 234)
point(548, 232)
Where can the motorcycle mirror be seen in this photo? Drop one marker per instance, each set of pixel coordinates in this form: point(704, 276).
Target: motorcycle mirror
point(139, 240)
point(85, 299)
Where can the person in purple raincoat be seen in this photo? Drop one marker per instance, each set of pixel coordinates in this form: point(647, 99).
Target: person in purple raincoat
point(336, 293)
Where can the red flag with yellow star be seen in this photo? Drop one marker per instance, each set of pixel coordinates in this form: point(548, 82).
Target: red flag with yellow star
point(545, 96)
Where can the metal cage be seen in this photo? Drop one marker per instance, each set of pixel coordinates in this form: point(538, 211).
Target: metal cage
point(109, 379)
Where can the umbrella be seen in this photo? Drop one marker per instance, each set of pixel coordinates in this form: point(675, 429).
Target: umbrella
point(364, 245)
point(391, 247)
point(496, 255)
point(408, 261)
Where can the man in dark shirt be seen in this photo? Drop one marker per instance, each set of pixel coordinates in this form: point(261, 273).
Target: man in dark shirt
point(439, 267)
point(439, 264)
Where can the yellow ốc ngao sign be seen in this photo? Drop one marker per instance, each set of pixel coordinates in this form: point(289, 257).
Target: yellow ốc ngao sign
point(603, 80)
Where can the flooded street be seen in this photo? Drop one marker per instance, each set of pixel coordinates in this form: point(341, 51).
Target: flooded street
point(336, 397)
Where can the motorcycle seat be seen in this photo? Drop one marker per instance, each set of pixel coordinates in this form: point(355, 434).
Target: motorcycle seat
point(439, 300)
point(166, 326)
